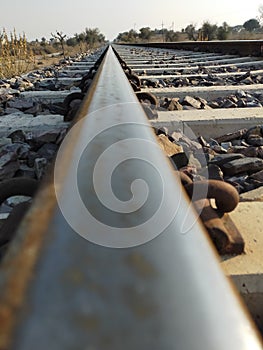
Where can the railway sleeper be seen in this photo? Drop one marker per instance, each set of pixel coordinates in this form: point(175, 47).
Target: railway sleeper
point(72, 102)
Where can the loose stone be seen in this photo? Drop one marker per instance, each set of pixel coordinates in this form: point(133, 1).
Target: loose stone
point(242, 165)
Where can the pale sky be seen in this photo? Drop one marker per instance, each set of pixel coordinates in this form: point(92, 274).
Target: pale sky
point(39, 18)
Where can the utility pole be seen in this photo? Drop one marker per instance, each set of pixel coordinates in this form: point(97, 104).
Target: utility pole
point(162, 32)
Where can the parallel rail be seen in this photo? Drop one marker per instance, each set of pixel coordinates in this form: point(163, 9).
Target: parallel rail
point(232, 47)
point(59, 291)
point(214, 78)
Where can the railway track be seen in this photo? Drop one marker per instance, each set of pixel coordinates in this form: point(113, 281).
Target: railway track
point(205, 103)
point(113, 186)
point(216, 97)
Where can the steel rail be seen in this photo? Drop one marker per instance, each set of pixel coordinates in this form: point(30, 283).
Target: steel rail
point(60, 291)
point(233, 47)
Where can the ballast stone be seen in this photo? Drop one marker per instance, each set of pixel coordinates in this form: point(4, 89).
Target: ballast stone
point(252, 196)
point(241, 165)
point(192, 102)
point(9, 164)
point(258, 176)
point(170, 148)
point(21, 103)
point(48, 151)
point(221, 159)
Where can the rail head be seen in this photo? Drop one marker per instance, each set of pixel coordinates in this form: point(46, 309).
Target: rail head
point(111, 255)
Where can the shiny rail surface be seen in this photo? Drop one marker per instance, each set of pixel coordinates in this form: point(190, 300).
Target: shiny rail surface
point(61, 291)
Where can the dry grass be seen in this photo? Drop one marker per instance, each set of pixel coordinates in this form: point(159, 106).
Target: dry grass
point(18, 56)
point(244, 35)
point(15, 54)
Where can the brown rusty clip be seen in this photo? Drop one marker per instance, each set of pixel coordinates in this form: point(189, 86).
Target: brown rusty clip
point(225, 195)
point(218, 224)
point(220, 228)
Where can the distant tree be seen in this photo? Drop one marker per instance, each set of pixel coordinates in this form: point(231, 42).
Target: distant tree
point(171, 36)
point(145, 33)
point(61, 38)
point(91, 36)
point(208, 31)
point(191, 32)
point(122, 37)
point(130, 36)
point(157, 31)
point(43, 41)
point(80, 39)
point(251, 24)
point(223, 31)
point(72, 41)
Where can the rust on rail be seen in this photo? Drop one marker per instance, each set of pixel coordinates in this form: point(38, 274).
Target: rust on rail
point(17, 268)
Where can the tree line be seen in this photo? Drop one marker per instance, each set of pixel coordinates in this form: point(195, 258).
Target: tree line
point(208, 31)
point(88, 39)
point(18, 55)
